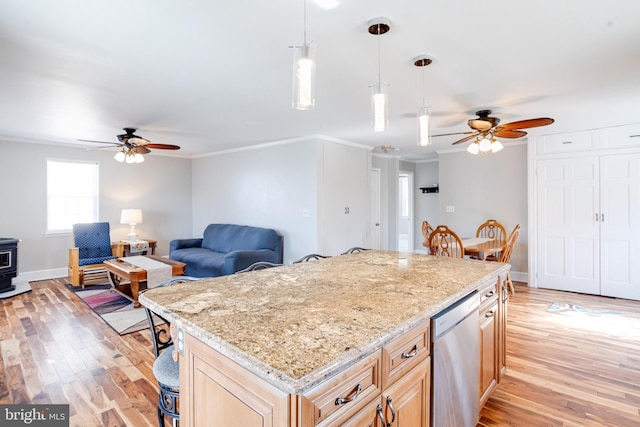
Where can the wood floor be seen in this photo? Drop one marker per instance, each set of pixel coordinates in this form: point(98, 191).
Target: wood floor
point(562, 371)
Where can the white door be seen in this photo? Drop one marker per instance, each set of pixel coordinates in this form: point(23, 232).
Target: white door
point(620, 225)
point(375, 208)
point(568, 232)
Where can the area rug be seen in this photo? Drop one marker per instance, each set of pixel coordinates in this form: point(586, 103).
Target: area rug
point(21, 288)
point(113, 307)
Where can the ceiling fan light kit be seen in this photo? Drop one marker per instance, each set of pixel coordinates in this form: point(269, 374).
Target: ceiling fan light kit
point(304, 72)
point(485, 129)
point(133, 146)
point(379, 101)
point(424, 112)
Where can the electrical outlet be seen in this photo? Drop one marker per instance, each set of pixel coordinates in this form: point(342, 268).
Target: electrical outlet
point(305, 213)
point(450, 209)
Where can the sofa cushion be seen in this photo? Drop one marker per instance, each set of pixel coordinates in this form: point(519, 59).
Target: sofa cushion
point(232, 237)
point(200, 262)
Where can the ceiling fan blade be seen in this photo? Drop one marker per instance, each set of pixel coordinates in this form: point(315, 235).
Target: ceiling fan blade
point(460, 141)
point(163, 146)
point(524, 124)
point(455, 133)
point(100, 142)
point(509, 133)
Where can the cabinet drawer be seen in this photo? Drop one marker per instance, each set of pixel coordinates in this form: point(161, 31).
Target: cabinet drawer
point(402, 354)
point(488, 295)
point(345, 393)
point(565, 142)
point(620, 136)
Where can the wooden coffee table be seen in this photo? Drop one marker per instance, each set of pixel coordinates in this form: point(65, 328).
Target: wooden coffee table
point(119, 270)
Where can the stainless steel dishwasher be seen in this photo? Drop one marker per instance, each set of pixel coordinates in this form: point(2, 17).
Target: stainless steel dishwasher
point(454, 388)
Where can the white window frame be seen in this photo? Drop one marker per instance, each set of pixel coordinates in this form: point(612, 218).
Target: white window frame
point(73, 199)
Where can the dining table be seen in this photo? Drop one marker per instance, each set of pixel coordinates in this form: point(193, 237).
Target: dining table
point(481, 247)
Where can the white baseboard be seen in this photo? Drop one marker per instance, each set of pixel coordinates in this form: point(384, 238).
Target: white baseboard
point(30, 276)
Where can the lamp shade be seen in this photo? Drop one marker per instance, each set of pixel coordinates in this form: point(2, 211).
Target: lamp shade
point(304, 70)
point(131, 216)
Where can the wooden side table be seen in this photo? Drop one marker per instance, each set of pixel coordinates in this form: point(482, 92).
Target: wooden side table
point(127, 248)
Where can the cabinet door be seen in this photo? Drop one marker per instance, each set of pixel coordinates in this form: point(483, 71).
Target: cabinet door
point(620, 225)
point(216, 391)
point(568, 250)
point(407, 402)
point(488, 340)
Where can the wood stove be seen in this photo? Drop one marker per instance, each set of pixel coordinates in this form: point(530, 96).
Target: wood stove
point(8, 263)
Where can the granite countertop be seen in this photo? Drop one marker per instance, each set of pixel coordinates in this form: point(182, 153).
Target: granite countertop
point(295, 325)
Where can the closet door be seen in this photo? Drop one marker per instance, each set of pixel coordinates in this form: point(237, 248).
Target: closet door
point(568, 231)
point(620, 225)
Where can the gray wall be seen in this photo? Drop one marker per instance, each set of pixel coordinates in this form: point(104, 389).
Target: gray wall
point(161, 187)
point(265, 187)
point(488, 186)
point(427, 205)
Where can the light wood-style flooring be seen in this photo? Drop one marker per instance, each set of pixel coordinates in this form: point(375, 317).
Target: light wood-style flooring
point(561, 371)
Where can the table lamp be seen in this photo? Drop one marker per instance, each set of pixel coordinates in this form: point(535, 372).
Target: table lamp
point(131, 217)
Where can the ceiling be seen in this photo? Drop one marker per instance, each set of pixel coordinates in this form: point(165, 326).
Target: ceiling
point(216, 75)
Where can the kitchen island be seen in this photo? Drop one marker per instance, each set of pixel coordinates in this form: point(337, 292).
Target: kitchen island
point(316, 343)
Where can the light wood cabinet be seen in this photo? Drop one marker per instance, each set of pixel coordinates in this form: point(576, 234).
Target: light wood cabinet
point(489, 340)
point(222, 393)
point(407, 402)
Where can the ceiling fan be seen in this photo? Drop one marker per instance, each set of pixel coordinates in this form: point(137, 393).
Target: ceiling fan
point(486, 127)
point(133, 144)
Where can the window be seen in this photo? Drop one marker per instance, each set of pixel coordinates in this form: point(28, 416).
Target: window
point(72, 194)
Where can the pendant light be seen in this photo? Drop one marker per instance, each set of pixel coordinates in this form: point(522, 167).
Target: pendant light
point(379, 101)
point(424, 112)
point(304, 72)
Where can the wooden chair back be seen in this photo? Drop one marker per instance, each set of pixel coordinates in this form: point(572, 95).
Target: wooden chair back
point(511, 242)
point(427, 229)
point(445, 242)
point(492, 229)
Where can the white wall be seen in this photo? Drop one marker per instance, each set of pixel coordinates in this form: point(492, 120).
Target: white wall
point(481, 187)
point(427, 205)
point(265, 187)
point(161, 187)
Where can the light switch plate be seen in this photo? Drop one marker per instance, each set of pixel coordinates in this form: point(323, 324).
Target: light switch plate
point(450, 209)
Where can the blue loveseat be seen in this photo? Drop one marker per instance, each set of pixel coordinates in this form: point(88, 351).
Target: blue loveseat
point(227, 248)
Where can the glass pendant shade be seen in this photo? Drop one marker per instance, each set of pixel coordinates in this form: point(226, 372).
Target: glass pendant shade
point(120, 156)
point(379, 107)
point(304, 73)
point(130, 158)
point(474, 148)
point(424, 138)
point(485, 145)
point(496, 146)
point(138, 158)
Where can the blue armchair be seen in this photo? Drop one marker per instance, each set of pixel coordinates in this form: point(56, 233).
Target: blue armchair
point(92, 247)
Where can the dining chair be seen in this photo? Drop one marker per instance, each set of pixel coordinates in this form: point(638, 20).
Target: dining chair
point(445, 242)
point(505, 256)
point(427, 229)
point(92, 246)
point(491, 229)
point(354, 250)
point(310, 257)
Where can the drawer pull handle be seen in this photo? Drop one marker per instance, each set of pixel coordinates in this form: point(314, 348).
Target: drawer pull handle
point(343, 400)
point(383, 422)
point(393, 411)
point(489, 294)
point(414, 351)
point(489, 314)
